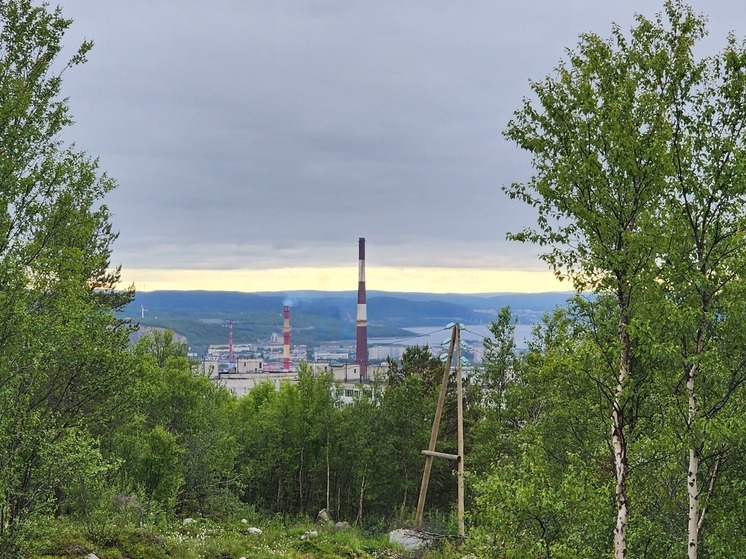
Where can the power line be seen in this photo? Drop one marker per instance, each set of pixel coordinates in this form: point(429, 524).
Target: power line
point(399, 341)
point(476, 334)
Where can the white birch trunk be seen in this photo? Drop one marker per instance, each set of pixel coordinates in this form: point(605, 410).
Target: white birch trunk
point(692, 474)
point(618, 439)
point(619, 447)
point(693, 469)
point(300, 478)
point(693, 527)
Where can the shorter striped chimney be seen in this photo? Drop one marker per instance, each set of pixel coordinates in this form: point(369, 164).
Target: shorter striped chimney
point(230, 344)
point(286, 339)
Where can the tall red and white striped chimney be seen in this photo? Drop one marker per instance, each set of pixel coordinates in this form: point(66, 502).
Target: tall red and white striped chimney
point(361, 355)
point(286, 339)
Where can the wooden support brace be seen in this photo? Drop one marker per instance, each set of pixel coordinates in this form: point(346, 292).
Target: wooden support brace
point(441, 455)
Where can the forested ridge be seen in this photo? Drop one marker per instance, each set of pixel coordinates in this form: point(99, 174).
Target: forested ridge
point(319, 317)
point(620, 431)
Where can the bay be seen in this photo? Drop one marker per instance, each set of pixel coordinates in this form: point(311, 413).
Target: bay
point(472, 334)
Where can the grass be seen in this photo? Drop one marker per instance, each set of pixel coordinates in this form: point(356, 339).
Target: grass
point(205, 539)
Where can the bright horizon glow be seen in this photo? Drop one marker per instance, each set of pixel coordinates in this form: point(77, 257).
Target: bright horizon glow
point(417, 280)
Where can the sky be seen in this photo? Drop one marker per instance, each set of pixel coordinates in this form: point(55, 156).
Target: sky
point(253, 142)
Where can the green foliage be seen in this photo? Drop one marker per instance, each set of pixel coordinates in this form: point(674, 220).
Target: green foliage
point(638, 151)
point(549, 475)
point(499, 357)
point(299, 450)
point(62, 351)
point(534, 512)
point(178, 447)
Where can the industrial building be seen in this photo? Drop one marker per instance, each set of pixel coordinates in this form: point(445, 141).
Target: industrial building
point(225, 365)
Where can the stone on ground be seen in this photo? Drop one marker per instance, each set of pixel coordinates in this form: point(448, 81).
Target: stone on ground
point(410, 540)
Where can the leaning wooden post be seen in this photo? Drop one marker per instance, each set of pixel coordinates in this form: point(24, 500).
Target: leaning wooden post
point(434, 432)
point(460, 421)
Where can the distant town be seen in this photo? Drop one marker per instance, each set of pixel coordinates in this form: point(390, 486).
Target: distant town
point(240, 367)
point(241, 353)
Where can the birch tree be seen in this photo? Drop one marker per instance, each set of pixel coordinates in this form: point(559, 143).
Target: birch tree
point(702, 268)
point(600, 135)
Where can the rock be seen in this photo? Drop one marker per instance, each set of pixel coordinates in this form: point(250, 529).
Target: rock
point(244, 521)
point(255, 531)
point(91, 555)
point(410, 540)
point(341, 526)
point(309, 534)
point(324, 517)
point(188, 521)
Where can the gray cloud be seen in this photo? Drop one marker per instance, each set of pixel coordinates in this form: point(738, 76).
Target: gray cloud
point(274, 134)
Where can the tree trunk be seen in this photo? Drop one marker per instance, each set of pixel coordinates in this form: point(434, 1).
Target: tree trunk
point(618, 440)
point(619, 446)
point(300, 478)
point(328, 470)
point(693, 469)
point(693, 527)
point(339, 501)
point(359, 517)
point(280, 492)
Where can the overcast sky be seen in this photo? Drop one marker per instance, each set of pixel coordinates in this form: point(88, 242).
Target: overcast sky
point(253, 135)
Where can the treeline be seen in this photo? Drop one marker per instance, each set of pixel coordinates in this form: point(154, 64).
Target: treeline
point(550, 490)
point(186, 446)
point(171, 443)
point(154, 441)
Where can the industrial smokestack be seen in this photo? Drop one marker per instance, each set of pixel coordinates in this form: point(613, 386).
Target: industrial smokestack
point(286, 340)
point(361, 356)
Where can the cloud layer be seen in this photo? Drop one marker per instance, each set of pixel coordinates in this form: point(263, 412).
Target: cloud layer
point(261, 135)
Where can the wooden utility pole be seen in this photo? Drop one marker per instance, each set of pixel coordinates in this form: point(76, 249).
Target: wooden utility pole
point(460, 427)
point(431, 453)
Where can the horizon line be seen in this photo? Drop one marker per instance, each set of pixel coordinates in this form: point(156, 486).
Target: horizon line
point(379, 278)
point(353, 291)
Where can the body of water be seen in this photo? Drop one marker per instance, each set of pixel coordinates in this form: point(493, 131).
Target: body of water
point(472, 334)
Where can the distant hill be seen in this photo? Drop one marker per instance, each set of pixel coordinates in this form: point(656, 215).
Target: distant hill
point(536, 301)
point(321, 316)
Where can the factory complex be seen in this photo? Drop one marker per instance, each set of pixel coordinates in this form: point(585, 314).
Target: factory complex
point(241, 367)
